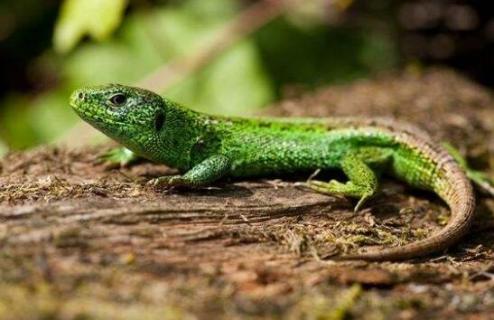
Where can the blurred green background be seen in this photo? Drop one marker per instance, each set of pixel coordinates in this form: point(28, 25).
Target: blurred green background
point(49, 47)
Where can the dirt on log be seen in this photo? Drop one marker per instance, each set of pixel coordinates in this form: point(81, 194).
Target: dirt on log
point(80, 241)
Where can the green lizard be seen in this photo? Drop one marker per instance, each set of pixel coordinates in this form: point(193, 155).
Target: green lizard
point(206, 148)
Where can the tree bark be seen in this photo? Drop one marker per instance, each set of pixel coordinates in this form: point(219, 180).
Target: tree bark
point(80, 240)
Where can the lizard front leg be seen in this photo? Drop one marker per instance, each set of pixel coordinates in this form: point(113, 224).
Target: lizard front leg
point(208, 171)
point(363, 181)
point(119, 157)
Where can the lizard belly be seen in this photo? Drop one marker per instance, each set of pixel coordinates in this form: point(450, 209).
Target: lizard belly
point(271, 157)
point(261, 152)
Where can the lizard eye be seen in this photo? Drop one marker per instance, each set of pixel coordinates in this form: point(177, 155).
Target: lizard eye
point(118, 99)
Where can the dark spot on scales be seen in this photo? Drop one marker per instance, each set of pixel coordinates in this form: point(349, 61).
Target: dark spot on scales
point(159, 121)
point(264, 125)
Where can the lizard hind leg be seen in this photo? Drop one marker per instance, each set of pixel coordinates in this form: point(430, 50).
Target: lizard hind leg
point(479, 178)
point(359, 167)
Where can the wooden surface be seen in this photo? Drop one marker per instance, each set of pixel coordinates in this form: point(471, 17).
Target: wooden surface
point(79, 241)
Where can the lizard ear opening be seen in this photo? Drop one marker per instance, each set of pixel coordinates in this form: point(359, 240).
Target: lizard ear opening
point(159, 121)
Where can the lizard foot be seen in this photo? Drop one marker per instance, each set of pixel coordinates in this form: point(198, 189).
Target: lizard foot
point(118, 158)
point(168, 182)
point(348, 189)
point(479, 178)
point(482, 181)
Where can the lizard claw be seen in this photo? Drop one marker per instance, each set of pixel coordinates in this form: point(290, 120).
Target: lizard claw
point(167, 181)
point(362, 202)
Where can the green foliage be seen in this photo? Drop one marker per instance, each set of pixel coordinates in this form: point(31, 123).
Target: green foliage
point(233, 83)
point(320, 54)
point(247, 76)
point(96, 18)
point(3, 148)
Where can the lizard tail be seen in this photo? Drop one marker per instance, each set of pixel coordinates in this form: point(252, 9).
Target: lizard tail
point(456, 190)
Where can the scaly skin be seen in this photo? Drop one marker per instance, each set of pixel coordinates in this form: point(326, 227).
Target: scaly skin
point(206, 148)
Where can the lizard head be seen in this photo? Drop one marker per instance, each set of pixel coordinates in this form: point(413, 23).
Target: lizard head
point(132, 116)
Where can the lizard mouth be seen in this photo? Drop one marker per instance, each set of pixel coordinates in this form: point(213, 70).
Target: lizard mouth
point(96, 121)
point(90, 113)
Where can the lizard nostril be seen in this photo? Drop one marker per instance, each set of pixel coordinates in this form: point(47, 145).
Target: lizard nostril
point(81, 96)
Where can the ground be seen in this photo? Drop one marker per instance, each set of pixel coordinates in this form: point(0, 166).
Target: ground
point(81, 241)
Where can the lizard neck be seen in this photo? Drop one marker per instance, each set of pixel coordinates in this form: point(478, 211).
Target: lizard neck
point(174, 144)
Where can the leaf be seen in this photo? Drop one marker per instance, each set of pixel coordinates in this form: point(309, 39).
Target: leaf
point(3, 148)
point(234, 82)
point(96, 18)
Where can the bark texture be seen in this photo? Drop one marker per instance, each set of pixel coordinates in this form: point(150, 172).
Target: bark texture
point(81, 241)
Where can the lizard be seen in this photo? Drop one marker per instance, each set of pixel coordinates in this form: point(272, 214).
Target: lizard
point(205, 148)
